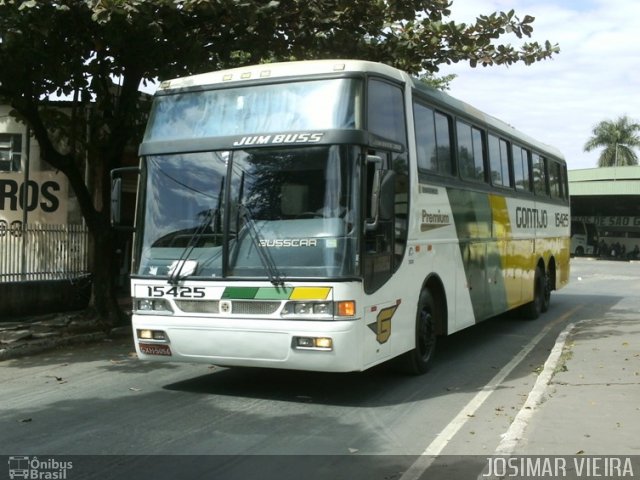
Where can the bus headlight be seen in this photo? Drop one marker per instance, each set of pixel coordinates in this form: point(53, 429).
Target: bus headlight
point(303, 308)
point(152, 305)
point(319, 310)
point(146, 334)
point(324, 344)
point(324, 308)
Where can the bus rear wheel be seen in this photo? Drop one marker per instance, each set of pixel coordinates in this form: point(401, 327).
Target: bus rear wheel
point(418, 360)
point(546, 297)
point(541, 296)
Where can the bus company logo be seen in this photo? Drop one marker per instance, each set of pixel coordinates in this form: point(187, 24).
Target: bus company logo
point(531, 218)
point(225, 306)
point(36, 469)
point(434, 220)
point(280, 138)
point(382, 326)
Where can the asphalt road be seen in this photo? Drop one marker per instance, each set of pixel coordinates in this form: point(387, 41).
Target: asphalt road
point(98, 399)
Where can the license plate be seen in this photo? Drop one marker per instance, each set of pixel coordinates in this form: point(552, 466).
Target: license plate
point(153, 349)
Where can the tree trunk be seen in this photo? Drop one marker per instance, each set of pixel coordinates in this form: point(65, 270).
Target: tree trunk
point(106, 153)
point(105, 299)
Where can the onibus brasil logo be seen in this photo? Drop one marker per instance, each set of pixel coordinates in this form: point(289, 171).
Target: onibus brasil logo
point(38, 469)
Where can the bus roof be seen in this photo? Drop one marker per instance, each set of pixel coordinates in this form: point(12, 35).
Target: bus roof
point(282, 70)
point(498, 126)
point(270, 71)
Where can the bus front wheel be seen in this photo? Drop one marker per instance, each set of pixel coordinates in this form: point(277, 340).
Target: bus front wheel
point(418, 360)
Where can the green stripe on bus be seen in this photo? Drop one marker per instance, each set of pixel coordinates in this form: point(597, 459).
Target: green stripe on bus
point(246, 293)
point(257, 293)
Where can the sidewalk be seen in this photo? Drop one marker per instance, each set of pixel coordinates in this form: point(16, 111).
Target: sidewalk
point(35, 334)
point(591, 406)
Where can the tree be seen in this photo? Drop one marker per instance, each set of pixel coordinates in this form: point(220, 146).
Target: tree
point(619, 138)
point(98, 52)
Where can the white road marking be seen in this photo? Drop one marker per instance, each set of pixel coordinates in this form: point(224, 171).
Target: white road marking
point(511, 437)
point(435, 448)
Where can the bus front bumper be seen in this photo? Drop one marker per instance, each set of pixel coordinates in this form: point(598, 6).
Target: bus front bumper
point(329, 346)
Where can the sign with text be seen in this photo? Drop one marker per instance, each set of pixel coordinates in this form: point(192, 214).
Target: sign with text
point(44, 197)
point(611, 221)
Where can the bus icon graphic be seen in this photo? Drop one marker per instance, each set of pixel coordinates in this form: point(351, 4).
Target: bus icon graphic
point(18, 467)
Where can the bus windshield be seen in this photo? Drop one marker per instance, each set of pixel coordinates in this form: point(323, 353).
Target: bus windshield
point(283, 107)
point(291, 210)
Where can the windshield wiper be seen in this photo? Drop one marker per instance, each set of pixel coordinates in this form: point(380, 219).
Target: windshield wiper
point(208, 218)
point(263, 253)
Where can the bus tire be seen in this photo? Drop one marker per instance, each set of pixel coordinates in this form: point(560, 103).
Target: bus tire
point(418, 360)
point(546, 297)
point(533, 309)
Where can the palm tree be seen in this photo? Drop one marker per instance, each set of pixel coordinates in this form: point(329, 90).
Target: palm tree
point(619, 139)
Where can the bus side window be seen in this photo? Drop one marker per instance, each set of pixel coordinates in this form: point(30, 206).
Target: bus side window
point(499, 161)
point(470, 152)
point(540, 175)
point(521, 168)
point(577, 228)
point(386, 111)
point(433, 140)
point(443, 140)
point(555, 180)
point(425, 137)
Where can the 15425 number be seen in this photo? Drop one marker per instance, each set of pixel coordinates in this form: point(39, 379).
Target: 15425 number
point(175, 292)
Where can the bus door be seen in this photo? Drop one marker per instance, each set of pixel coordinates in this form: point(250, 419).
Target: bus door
point(379, 223)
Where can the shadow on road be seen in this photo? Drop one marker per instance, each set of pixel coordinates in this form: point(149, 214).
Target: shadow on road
point(482, 349)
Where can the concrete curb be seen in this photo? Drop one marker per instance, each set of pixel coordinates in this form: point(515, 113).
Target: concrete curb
point(42, 345)
point(515, 433)
point(36, 346)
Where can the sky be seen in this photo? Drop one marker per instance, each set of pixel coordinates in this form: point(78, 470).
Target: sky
point(595, 77)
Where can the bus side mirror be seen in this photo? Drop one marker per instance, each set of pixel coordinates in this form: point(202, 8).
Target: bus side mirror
point(116, 196)
point(387, 195)
point(374, 182)
point(382, 193)
point(116, 201)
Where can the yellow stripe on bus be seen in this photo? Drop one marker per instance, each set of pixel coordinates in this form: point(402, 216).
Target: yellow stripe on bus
point(310, 293)
point(512, 259)
point(500, 212)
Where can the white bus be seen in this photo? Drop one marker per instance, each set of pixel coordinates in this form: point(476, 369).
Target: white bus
point(584, 238)
point(333, 215)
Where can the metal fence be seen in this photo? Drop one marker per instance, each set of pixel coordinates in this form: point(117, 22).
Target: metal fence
point(43, 252)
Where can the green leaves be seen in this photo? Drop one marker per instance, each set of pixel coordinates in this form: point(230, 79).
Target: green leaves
point(29, 4)
point(99, 51)
point(618, 138)
point(166, 38)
